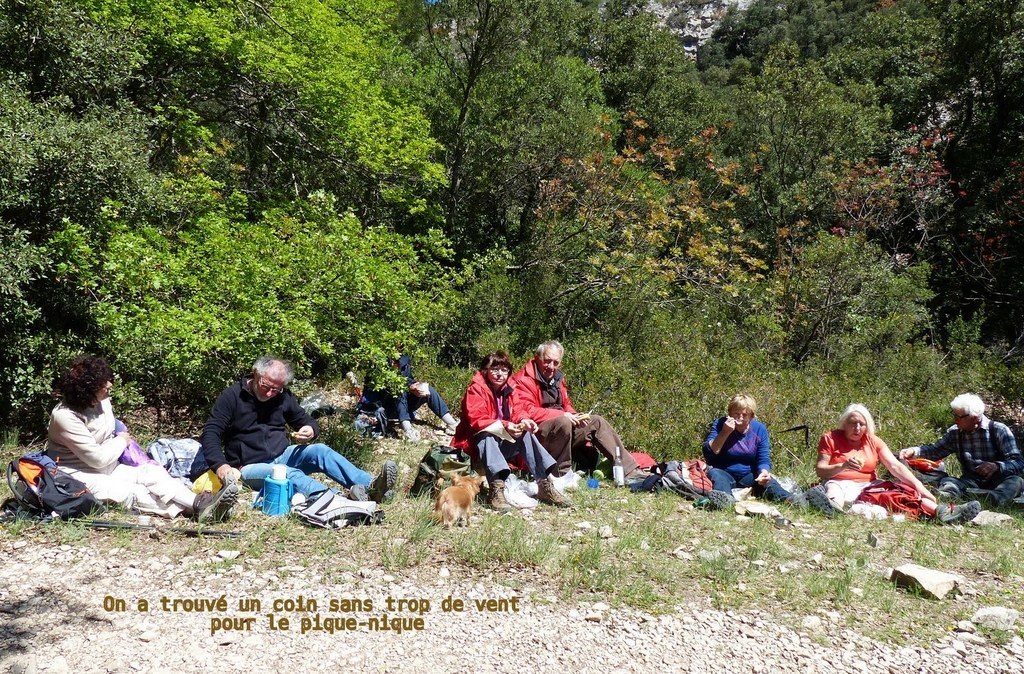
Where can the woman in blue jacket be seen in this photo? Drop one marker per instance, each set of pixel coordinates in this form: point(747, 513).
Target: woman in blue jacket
point(736, 450)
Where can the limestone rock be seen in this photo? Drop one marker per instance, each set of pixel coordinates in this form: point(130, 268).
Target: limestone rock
point(996, 617)
point(932, 583)
point(987, 518)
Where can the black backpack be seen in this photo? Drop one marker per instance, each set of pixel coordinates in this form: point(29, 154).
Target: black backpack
point(42, 490)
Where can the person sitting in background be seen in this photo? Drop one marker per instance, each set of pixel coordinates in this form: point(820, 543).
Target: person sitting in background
point(987, 452)
point(736, 450)
point(847, 458)
point(541, 395)
point(403, 406)
point(247, 434)
point(488, 427)
point(84, 441)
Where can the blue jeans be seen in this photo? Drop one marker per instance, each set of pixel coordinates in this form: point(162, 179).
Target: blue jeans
point(303, 460)
point(407, 404)
point(404, 405)
point(1001, 490)
point(722, 480)
point(495, 452)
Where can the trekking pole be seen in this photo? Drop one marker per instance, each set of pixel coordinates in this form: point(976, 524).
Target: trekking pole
point(213, 533)
point(807, 440)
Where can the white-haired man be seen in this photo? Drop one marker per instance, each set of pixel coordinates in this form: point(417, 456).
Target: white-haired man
point(987, 452)
point(540, 394)
point(247, 434)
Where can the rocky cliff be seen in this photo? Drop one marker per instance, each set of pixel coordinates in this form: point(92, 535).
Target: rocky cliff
point(693, 20)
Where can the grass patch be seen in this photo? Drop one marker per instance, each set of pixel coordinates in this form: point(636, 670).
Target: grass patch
point(636, 550)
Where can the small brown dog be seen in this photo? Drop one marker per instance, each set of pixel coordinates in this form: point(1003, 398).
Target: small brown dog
point(454, 504)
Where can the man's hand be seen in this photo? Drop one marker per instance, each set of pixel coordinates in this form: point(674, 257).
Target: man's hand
point(303, 435)
point(986, 470)
point(578, 419)
point(909, 452)
point(763, 477)
point(529, 425)
point(516, 430)
point(420, 389)
point(225, 471)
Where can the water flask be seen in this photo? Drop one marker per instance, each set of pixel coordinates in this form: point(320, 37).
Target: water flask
point(277, 496)
point(617, 472)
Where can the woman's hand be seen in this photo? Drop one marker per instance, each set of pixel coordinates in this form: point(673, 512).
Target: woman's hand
point(854, 463)
point(763, 478)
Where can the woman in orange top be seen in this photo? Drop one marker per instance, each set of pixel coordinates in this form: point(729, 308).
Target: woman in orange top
point(847, 459)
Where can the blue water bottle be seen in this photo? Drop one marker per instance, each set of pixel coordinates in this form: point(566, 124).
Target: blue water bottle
point(277, 493)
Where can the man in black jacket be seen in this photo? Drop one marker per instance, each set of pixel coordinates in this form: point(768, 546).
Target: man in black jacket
point(247, 434)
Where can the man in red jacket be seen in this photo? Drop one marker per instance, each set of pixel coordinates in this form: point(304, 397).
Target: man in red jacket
point(540, 394)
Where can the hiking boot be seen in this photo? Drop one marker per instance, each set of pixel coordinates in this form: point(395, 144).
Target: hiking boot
point(383, 486)
point(548, 492)
point(496, 496)
point(215, 506)
point(357, 492)
point(957, 514)
point(817, 497)
point(720, 500)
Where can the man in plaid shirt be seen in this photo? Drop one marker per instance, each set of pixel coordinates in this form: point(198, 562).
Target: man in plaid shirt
point(986, 449)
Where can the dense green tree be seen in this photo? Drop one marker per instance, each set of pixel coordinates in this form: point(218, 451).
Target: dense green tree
point(794, 133)
point(510, 97)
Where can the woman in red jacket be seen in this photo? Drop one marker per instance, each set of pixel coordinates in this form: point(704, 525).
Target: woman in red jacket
point(489, 426)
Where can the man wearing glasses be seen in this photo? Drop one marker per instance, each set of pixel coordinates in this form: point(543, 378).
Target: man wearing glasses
point(988, 454)
point(247, 434)
point(541, 394)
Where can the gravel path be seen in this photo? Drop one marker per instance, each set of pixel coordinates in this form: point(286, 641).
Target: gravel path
point(61, 591)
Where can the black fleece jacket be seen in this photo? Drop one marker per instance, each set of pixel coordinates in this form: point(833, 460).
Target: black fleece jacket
point(250, 431)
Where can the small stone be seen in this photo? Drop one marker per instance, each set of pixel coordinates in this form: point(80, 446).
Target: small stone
point(228, 554)
point(584, 525)
point(682, 553)
point(995, 618)
point(811, 623)
point(970, 638)
point(709, 555)
point(594, 617)
point(605, 532)
point(966, 626)
point(600, 606)
point(856, 592)
point(873, 539)
point(17, 545)
point(818, 558)
point(444, 572)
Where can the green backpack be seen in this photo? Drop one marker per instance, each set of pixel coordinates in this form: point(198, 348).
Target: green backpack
point(441, 462)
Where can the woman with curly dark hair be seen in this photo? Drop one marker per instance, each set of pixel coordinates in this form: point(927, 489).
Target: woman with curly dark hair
point(83, 439)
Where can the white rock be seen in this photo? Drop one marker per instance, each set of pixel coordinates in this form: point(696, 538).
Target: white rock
point(935, 584)
point(811, 623)
point(995, 617)
point(228, 554)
